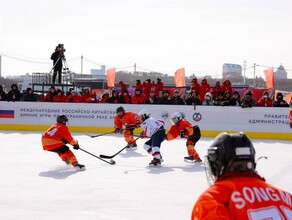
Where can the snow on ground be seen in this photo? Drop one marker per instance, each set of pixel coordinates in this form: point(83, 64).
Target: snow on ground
point(36, 184)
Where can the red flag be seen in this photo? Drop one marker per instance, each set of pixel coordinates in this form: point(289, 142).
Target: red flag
point(269, 73)
point(179, 78)
point(111, 77)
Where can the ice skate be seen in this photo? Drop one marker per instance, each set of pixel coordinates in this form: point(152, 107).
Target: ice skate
point(79, 167)
point(132, 146)
point(155, 162)
point(189, 159)
point(198, 161)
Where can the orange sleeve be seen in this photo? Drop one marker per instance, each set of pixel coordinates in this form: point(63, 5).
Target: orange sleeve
point(118, 123)
point(172, 133)
point(67, 135)
point(132, 119)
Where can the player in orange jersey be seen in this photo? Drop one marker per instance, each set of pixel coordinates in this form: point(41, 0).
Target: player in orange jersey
point(239, 192)
point(56, 138)
point(126, 122)
point(185, 129)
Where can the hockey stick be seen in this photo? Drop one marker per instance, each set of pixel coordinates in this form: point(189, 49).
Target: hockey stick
point(111, 162)
point(110, 157)
point(98, 135)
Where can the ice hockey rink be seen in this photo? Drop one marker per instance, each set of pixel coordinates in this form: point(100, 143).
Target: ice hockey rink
point(36, 184)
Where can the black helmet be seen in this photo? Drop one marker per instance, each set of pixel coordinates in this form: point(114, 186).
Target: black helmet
point(62, 119)
point(231, 152)
point(120, 109)
point(144, 114)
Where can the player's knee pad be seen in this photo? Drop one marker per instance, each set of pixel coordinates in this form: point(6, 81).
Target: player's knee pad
point(197, 133)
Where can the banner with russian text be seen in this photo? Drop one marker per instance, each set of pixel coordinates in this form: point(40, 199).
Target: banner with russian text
point(111, 77)
point(179, 78)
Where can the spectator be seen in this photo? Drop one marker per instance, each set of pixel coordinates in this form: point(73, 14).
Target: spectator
point(226, 86)
point(227, 97)
point(248, 100)
point(160, 97)
point(104, 97)
point(139, 85)
point(208, 99)
point(280, 102)
point(123, 86)
point(29, 96)
point(50, 95)
point(14, 94)
point(265, 100)
point(235, 99)
point(125, 97)
point(192, 98)
point(139, 97)
point(176, 99)
point(217, 88)
point(114, 98)
point(158, 86)
point(152, 99)
point(147, 87)
point(166, 100)
point(3, 95)
point(74, 97)
point(238, 192)
point(195, 86)
point(220, 100)
point(60, 97)
point(86, 96)
point(205, 87)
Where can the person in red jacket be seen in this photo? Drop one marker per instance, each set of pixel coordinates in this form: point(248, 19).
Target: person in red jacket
point(217, 88)
point(265, 100)
point(226, 86)
point(195, 86)
point(183, 128)
point(139, 85)
point(56, 138)
point(123, 86)
point(147, 87)
point(74, 97)
point(125, 97)
point(139, 97)
point(49, 97)
point(60, 97)
point(126, 122)
point(238, 192)
point(205, 87)
point(86, 96)
point(158, 86)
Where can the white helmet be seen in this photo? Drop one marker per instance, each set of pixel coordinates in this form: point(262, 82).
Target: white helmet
point(144, 114)
point(177, 116)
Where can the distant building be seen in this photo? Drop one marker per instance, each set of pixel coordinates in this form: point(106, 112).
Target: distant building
point(98, 72)
point(231, 71)
point(280, 73)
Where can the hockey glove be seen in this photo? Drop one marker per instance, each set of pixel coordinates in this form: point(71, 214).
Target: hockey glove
point(76, 146)
point(117, 130)
point(183, 133)
point(64, 141)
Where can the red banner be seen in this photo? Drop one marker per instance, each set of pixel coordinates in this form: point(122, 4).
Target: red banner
point(111, 77)
point(269, 73)
point(179, 78)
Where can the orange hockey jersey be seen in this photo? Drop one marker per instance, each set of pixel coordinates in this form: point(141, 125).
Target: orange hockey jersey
point(243, 196)
point(52, 138)
point(128, 119)
point(175, 130)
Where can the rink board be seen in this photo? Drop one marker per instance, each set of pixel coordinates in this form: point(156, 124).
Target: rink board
point(257, 122)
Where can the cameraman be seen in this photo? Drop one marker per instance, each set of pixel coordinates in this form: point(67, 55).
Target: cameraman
point(57, 58)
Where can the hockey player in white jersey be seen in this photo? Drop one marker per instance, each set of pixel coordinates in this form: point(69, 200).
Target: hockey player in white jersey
point(154, 129)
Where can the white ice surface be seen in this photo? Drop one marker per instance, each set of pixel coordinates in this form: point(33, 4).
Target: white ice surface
point(36, 184)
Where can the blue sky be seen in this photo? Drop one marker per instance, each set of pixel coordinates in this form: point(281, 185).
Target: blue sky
point(157, 35)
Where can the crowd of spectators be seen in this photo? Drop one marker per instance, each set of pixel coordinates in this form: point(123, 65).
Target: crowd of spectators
point(150, 92)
